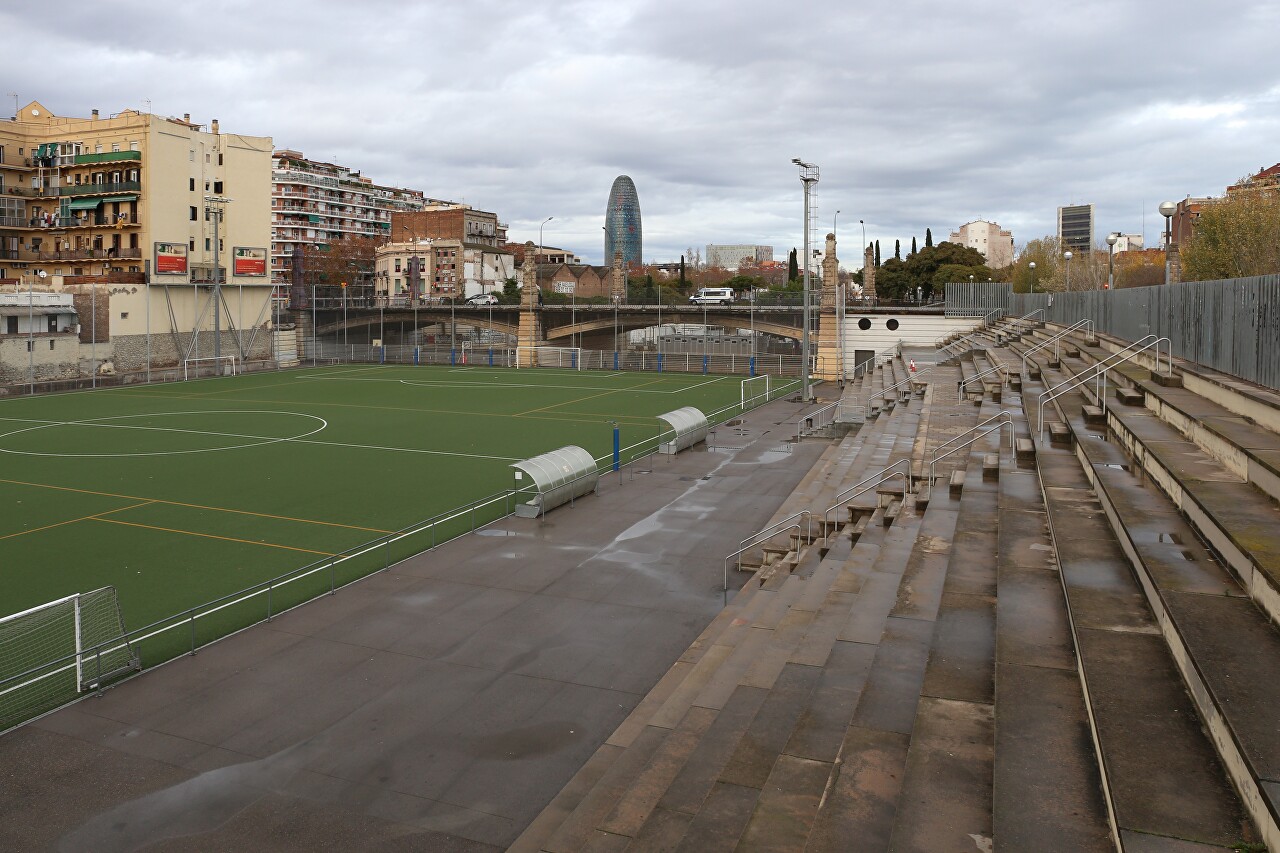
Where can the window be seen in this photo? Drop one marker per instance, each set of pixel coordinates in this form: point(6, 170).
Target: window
point(192, 184)
point(208, 243)
point(97, 149)
point(192, 244)
point(133, 146)
point(219, 158)
point(206, 157)
point(191, 155)
point(217, 187)
point(124, 315)
point(193, 213)
point(115, 146)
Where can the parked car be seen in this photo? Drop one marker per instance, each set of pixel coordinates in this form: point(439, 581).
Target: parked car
point(482, 299)
point(713, 296)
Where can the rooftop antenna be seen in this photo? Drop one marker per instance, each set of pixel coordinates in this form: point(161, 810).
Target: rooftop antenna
point(147, 101)
point(14, 95)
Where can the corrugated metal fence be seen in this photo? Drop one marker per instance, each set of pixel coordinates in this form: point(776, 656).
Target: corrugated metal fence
point(1231, 325)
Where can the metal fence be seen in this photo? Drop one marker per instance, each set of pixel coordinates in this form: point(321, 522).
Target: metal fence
point(640, 360)
point(1232, 325)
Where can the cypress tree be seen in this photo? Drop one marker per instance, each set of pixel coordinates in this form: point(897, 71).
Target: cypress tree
point(877, 253)
point(682, 272)
point(913, 245)
point(897, 250)
point(793, 267)
point(928, 238)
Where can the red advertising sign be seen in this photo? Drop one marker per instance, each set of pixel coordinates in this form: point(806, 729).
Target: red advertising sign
point(171, 259)
point(248, 261)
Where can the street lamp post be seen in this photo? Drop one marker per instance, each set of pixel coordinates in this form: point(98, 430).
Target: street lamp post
point(1066, 256)
point(1167, 209)
point(808, 177)
point(833, 222)
point(1032, 265)
point(1112, 239)
point(864, 237)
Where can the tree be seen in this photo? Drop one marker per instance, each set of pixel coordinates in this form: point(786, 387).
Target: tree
point(793, 267)
point(877, 253)
point(349, 260)
point(682, 280)
point(1235, 237)
point(897, 250)
point(913, 245)
point(928, 238)
point(1088, 268)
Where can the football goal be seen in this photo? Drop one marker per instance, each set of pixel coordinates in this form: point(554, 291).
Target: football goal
point(566, 357)
point(223, 365)
point(755, 391)
point(52, 653)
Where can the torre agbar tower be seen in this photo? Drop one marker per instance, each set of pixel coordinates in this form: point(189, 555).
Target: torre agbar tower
point(622, 231)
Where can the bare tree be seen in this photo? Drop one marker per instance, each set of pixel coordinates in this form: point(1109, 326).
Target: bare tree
point(1235, 237)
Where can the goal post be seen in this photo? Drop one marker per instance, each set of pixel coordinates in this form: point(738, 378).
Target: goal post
point(569, 358)
point(219, 368)
point(755, 391)
point(52, 653)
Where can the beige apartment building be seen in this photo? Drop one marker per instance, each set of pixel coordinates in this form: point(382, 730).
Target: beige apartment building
point(92, 205)
point(444, 268)
point(995, 243)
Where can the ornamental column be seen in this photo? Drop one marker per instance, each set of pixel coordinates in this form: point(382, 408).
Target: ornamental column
point(829, 366)
point(530, 335)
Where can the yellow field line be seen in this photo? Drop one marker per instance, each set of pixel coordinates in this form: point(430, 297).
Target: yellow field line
point(211, 536)
point(196, 506)
point(74, 520)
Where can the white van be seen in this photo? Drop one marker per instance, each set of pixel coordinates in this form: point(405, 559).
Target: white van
point(713, 296)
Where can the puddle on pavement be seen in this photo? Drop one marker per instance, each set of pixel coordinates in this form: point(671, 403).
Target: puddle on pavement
point(487, 531)
point(1172, 538)
point(1117, 466)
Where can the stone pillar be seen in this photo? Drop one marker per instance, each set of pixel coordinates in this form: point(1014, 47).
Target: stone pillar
point(869, 274)
point(1175, 264)
point(828, 349)
point(618, 280)
point(530, 334)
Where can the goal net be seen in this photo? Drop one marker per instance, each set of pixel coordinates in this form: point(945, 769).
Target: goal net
point(755, 391)
point(566, 357)
point(217, 365)
point(52, 653)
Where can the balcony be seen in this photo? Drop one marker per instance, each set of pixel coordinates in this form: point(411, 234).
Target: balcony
point(28, 192)
point(100, 189)
point(106, 157)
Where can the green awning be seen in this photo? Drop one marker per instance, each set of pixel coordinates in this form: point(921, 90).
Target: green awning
point(84, 203)
point(121, 198)
point(313, 218)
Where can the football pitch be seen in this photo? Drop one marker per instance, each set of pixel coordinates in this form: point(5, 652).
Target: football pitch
point(182, 494)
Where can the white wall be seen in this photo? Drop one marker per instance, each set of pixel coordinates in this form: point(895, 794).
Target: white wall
point(912, 330)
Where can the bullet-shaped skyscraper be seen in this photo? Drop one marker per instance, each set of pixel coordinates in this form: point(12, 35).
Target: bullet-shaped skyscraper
point(622, 231)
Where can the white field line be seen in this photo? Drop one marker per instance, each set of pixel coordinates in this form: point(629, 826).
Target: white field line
point(263, 438)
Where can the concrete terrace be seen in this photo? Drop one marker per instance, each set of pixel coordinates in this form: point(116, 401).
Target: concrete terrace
point(976, 627)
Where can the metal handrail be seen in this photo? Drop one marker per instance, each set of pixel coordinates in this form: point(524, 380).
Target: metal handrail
point(808, 415)
point(742, 551)
point(842, 496)
point(1099, 370)
point(804, 513)
point(1004, 416)
point(910, 378)
point(962, 387)
point(1000, 312)
point(1054, 340)
point(935, 460)
point(1028, 316)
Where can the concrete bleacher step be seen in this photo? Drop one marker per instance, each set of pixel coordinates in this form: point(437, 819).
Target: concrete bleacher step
point(1229, 674)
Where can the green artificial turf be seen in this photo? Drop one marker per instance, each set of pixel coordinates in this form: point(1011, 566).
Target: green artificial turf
point(179, 494)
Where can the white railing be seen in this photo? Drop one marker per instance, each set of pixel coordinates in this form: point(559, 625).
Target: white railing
point(1099, 372)
point(1054, 340)
point(864, 485)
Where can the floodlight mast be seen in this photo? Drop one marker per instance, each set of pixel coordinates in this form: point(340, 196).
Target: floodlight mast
point(214, 206)
point(808, 177)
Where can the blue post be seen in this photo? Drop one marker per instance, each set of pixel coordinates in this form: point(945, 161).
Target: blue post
point(382, 354)
point(659, 362)
point(453, 359)
point(617, 445)
point(491, 356)
point(705, 360)
point(415, 356)
point(573, 359)
point(753, 365)
point(615, 359)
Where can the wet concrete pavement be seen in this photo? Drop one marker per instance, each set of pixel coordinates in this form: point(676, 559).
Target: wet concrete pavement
point(436, 706)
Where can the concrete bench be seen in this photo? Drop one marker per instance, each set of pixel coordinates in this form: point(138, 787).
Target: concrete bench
point(1073, 352)
point(957, 482)
point(1059, 433)
point(892, 513)
point(1024, 450)
point(991, 466)
point(1094, 416)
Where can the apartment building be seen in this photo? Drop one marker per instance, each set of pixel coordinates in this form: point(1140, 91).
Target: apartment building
point(1076, 226)
point(732, 257)
point(315, 203)
point(468, 253)
point(89, 205)
point(437, 268)
point(995, 243)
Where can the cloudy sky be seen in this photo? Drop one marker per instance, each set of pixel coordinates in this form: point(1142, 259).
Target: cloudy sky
point(920, 115)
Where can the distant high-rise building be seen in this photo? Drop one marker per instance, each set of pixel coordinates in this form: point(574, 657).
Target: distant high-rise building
point(1075, 227)
point(732, 257)
point(622, 231)
point(995, 244)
